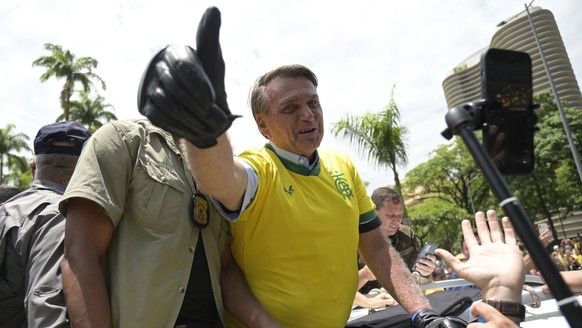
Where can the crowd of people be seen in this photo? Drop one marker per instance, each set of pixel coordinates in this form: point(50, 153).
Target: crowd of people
point(567, 255)
point(155, 223)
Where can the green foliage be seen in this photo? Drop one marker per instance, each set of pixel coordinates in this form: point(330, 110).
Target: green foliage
point(438, 221)
point(452, 176)
point(19, 175)
point(554, 187)
point(377, 136)
point(11, 143)
point(62, 64)
point(90, 111)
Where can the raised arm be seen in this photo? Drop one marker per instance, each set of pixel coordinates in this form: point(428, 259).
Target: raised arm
point(182, 91)
point(496, 264)
point(216, 172)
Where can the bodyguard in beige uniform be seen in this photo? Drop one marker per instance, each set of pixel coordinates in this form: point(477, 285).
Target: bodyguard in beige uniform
point(142, 247)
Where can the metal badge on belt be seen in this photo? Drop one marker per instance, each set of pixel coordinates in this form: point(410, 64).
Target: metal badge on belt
point(200, 211)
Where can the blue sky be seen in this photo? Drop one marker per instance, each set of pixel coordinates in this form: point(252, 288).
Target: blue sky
point(358, 49)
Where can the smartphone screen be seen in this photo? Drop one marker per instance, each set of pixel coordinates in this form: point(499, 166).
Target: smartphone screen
point(507, 79)
point(506, 83)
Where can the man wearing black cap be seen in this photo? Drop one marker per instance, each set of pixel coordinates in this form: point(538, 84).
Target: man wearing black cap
point(32, 233)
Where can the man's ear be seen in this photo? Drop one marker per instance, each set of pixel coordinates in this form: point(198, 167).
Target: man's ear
point(262, 125)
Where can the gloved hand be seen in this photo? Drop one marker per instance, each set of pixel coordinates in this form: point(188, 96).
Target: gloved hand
point(429, 319)
point(210, 53)
point(176, 94)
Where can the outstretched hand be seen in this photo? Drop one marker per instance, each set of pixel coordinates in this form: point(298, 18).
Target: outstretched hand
point(178, 95)
point(495, 265)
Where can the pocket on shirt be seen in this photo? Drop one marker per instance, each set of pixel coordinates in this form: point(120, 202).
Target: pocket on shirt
point(160, 193)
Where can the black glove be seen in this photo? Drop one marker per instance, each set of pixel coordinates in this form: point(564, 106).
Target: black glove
point(176, 94)
point(210, 53)
point(429, 319)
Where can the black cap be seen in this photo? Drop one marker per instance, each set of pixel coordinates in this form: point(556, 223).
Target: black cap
point(60, 131)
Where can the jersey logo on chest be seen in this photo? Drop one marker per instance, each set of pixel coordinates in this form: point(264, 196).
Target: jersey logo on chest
point(341, 184)
point(289, 190)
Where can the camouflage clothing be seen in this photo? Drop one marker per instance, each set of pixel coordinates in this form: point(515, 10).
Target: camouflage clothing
point(406, 244)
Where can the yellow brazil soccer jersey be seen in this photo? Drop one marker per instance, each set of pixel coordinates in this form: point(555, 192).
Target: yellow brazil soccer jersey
point(297, 240)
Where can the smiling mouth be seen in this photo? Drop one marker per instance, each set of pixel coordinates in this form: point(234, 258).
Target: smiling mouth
point(307, 131)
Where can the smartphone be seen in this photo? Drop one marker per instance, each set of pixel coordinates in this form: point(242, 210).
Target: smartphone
point(427, 249)
point(542, 227)
point(509, 119)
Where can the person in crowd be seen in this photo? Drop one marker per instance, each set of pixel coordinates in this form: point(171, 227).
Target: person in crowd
point(571, 258)
point(441, 272)
point(378, 299)
point(495, 264)
point(7, 192)
point(32, 233)
point(576, 244)
point(546, 238)
point(561, 257)
point(577, 256)
point(144, 247)
point(391, 210)
point(557, 257)
point(296, 209)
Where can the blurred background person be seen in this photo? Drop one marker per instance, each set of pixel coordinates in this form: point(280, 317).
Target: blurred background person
point(32, 233)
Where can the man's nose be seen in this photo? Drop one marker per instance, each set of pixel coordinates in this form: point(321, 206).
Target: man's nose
point(306, 113)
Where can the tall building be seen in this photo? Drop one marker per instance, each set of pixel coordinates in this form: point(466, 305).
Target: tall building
point(463, 83)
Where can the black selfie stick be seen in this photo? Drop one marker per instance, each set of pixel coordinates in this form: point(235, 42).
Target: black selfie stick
point(462, 120)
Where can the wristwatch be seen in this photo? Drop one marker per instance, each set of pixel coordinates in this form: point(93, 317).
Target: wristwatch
point(512, 309)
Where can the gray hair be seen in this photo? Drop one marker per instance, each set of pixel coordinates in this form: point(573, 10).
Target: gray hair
point(259, 100)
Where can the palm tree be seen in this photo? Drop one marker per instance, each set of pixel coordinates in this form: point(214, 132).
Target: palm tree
point(379, 136)
point(91, 113)
point(63, 64)
point(10, 143)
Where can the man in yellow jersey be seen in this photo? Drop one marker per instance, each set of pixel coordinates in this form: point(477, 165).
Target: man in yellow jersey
point(299, 213)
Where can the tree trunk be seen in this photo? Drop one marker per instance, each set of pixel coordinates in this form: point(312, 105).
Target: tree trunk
point(1, 169)
point(546, 212)
point(398, 188)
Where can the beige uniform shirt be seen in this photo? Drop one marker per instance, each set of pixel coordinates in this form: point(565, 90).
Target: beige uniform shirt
point(136, 173)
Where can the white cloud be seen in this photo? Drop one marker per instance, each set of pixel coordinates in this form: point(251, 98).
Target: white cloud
point(358, 49)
